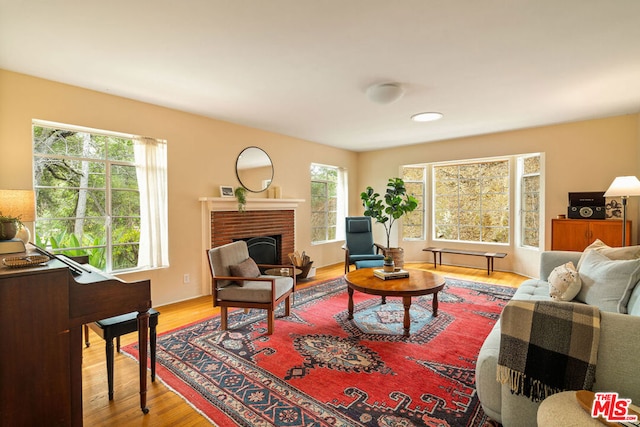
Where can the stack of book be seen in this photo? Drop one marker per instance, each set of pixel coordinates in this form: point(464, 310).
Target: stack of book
point(397, 274)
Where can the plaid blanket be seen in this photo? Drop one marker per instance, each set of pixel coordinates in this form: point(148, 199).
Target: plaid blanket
point(547, 347)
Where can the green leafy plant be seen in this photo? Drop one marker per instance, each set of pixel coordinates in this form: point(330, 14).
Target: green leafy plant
point(9, 225)
point(241, 196)
point(389, 208)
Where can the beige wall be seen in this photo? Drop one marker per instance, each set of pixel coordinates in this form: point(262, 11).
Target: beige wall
point(580, 156)
point(201, 156)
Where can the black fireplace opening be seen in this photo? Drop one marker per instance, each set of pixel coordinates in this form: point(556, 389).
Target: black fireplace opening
point(264, 249)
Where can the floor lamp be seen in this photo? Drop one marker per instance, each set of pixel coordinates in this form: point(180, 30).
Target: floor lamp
point(624, 187)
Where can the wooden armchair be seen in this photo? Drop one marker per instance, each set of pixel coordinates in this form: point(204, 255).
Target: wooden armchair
point(237, 282)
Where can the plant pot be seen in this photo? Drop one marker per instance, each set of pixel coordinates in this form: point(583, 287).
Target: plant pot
point(397, 254)
point(8, 230)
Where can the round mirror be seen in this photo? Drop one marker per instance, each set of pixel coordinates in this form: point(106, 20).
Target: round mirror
point(254, 169)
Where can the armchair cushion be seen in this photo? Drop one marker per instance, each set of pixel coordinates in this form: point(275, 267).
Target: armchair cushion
point(255, 291)
point(359, 226)
point(247, 268)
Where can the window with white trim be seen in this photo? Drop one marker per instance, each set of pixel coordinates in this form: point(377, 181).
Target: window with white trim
point(328, 202)
point(529, 173)
point(101, 194)
point(413, 223)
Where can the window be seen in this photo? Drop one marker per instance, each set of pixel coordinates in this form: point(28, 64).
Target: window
point(471, 201)
point(413, 222)
point(328, 196)
point(100, 194)
point(529, 173)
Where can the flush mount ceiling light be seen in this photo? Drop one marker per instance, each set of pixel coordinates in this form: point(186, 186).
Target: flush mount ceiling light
point(385, 93)
point(426, 117)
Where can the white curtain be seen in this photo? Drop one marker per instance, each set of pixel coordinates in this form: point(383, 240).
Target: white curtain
point(151, 167)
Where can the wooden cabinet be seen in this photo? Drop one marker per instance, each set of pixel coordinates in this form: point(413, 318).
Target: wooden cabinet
point(577, 234)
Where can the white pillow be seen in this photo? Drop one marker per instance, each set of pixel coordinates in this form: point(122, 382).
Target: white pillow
point(626, 252)
point(607, 283)
point(564, 282)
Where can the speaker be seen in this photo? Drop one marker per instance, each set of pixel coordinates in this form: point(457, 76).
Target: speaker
point(588, 212)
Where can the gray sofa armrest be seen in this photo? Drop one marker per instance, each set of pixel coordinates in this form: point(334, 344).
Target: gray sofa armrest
point(551, 259)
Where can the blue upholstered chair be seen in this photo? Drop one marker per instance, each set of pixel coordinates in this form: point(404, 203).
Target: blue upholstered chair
point(359, 244)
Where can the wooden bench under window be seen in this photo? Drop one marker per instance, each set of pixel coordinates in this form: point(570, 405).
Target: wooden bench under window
point(437, 252)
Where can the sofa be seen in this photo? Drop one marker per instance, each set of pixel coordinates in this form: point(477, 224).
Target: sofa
point(618, 355)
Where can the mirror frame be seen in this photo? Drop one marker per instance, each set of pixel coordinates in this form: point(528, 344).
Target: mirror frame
point(244, 184)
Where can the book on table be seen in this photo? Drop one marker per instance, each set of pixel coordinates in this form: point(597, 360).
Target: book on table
point(399, 274)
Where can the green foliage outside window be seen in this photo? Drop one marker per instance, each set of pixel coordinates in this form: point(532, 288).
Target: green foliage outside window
point(472, 202)
point(324, 202)
point(87, 197)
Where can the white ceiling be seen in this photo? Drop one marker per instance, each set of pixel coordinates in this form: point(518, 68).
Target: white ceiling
point(301, 67)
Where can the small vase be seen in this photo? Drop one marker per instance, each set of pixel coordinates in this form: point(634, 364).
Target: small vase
point(388, 267)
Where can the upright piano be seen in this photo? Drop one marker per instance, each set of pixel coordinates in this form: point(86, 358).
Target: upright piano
point(42, 311)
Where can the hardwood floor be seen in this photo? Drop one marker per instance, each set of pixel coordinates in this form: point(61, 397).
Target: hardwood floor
point(166, 407)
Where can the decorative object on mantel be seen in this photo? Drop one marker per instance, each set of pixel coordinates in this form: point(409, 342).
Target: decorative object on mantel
point(226, 191)
point(386, 211)
point(241, 196)
point(274, 192)
point(301, 261)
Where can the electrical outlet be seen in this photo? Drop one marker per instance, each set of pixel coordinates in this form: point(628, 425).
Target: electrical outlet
point(186, 278)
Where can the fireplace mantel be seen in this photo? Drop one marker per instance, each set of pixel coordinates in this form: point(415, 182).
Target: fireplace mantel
point(230, 203)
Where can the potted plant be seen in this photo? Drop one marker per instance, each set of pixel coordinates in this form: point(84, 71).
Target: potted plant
point(241, 197)
point(9, 226)
point(388, 209)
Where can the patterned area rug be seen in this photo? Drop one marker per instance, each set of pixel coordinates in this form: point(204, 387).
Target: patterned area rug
point(321, 369)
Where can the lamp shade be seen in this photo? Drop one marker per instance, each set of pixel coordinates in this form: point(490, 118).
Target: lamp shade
point(624, 186)
point(18, 203)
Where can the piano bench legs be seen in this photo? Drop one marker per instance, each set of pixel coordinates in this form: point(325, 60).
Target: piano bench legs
point(114, 327)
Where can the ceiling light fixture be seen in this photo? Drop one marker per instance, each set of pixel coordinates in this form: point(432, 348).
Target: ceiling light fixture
point(385, 93)
point(426, 117)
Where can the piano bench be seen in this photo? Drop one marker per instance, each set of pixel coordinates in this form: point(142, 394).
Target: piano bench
point(114, 327)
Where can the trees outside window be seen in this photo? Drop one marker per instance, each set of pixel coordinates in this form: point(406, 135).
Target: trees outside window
point(471, 201)
point(328, 197)
point(414, 178)
point(88, 199)
point(529, 172)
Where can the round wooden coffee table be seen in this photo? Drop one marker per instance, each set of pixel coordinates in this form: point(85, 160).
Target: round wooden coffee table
point(419, 282)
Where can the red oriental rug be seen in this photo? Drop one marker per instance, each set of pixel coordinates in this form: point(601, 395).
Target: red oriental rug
point(321, 369)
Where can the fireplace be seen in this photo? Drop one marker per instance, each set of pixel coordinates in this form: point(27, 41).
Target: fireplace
point(265, 249)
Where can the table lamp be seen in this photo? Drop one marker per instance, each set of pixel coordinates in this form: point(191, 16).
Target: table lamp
point(624, 187)
point(19, 204)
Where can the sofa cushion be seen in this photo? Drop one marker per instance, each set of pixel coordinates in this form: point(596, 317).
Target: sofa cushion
point(247, 268)
point(607, 283)
point(564, 282)
point(625, 252)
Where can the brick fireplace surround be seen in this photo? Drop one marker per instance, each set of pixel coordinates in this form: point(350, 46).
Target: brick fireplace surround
point(227, 227)
point(222, 223)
